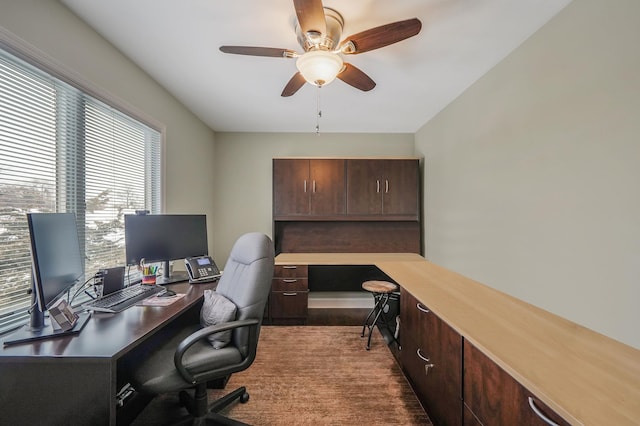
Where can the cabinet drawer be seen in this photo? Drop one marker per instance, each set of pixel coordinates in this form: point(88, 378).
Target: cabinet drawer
point(432, 358)
point(290, 271)
point(414, 317)
point(289, 304)
point(415, 369)
point(496, 398)
point(469, 419)
point(289, 284)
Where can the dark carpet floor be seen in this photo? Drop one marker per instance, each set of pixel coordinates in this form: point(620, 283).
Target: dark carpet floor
point(314, 375)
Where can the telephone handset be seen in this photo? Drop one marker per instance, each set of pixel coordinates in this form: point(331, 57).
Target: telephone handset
point(201, 269)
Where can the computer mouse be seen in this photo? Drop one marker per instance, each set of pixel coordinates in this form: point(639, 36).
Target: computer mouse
point(168, 293)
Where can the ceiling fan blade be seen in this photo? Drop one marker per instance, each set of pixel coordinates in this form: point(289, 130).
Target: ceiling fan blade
point(310, 15)
point(356, 78)
point(381, 36)
point(296, 82)
point(259, 51)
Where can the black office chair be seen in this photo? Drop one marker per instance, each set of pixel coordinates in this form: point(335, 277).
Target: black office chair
point(189, 360)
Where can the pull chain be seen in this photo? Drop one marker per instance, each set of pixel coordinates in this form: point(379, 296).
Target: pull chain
point(319, 112)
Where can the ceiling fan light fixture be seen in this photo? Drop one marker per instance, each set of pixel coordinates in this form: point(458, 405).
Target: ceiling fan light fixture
point(319, 67)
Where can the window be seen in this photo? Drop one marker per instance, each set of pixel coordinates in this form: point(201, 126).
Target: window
point(63, 150)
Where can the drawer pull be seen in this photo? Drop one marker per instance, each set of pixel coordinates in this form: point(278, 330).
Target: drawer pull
point(540, 414)
point(289, 294)
point(422, 308)
point(289, 281)
point(425, 359)
point(428, 365)
point(289, 267)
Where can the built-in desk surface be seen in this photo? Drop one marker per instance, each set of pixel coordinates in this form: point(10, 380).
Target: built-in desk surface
point(584, 376)
point(74, 379)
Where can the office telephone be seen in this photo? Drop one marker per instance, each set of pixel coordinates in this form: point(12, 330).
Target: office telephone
point(201, 269)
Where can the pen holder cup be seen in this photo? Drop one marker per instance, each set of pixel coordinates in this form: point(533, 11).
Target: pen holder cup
point(149, 279)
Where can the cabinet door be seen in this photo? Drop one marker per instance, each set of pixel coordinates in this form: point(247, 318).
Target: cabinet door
point(400, 187)
point(327, 190)
point(432, 357)
point(364, 194)
point(291, 187)
point(496, 398)
point(383, 187)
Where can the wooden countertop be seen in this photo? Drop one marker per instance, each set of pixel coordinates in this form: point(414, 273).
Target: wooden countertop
point(584, 376)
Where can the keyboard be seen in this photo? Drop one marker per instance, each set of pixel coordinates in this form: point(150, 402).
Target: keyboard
point(122, 299)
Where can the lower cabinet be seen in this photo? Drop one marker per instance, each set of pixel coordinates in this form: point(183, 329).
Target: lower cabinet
point(437, 361)
point(431, 357)
point(493, 397)
point(289, 296)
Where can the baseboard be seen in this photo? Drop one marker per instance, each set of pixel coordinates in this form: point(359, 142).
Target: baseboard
point(340, 300)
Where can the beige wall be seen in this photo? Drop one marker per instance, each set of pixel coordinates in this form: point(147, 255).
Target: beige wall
point(243, 173)
point(52, 30)
point(532, 175)
point(531, 179)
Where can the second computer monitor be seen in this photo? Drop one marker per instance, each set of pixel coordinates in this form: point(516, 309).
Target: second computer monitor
point(164, 237)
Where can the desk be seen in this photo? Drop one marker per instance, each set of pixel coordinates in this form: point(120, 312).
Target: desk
point(73, 380)
point(584, 376)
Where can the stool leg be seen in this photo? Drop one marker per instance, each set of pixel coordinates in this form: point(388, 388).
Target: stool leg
point(371, 312)
point(379, 307)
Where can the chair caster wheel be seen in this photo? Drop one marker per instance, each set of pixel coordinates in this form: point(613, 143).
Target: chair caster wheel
point(244, 397)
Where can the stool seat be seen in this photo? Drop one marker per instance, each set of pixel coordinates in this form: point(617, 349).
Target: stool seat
point(379, 286)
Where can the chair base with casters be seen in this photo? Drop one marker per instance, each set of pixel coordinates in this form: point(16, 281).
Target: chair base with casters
point(381, 291)
point(203, 412)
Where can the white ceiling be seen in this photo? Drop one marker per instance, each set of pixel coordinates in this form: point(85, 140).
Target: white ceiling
point(176, 42)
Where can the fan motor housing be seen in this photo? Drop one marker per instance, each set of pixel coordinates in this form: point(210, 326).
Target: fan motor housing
point(315, 41)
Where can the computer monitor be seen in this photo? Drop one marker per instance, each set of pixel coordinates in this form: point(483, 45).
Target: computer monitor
point(165, 237)
point(57, 265)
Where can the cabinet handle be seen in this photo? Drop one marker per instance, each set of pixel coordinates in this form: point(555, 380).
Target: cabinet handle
point(305, 185)
point(377, 185)
point(289, 294)
point(428, 366)
point(289, 267)
point(425, 359)
point(289, 281)
point(540, 414)
point(386, 186)
point(422, 308)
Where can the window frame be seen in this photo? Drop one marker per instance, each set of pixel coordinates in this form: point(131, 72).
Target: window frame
point(37, 58)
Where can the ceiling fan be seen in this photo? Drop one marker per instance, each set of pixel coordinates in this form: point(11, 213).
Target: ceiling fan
point(319, 30)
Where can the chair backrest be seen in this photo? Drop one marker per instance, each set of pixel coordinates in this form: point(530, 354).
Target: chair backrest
point(246, 280)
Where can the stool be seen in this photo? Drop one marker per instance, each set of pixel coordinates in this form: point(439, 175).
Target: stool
point(381, 291)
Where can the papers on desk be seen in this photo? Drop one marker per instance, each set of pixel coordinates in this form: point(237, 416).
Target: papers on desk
point(160, 301)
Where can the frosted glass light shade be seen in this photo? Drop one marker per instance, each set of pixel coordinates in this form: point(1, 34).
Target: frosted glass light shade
point(319, 67)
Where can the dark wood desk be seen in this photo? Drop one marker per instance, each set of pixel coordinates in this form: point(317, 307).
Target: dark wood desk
point(74, 380)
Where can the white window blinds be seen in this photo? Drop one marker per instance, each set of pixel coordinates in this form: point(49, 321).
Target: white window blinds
point(62, 150)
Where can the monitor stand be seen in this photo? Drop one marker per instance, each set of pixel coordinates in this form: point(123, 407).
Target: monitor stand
point(175, 277)
point(30, 334)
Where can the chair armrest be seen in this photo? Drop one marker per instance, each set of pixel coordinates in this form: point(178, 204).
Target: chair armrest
point(190, 340)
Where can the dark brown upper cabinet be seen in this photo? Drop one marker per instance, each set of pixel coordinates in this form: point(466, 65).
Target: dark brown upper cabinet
point(383, 188)
point(308, 187)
